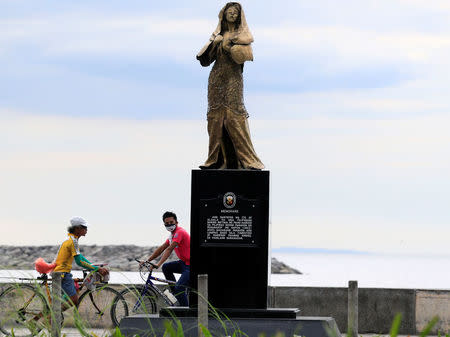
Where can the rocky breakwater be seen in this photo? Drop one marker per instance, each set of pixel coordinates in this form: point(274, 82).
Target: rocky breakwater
point(118, 257)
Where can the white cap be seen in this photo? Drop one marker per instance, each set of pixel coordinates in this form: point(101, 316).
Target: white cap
point(77, 221)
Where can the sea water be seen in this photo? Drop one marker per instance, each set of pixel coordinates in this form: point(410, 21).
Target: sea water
point(324, 270)
point(370, 270)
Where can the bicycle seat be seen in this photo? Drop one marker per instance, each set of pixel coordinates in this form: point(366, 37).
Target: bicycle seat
point(43, 277)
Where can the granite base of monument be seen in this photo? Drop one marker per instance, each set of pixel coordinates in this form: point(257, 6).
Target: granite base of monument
point(155, 325)
point(225, 313)
point(230, 237)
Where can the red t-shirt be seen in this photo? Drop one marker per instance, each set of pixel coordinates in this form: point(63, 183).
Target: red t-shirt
point(183, 249)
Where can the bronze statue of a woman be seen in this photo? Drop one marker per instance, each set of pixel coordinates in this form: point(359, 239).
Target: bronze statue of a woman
point(230, 146)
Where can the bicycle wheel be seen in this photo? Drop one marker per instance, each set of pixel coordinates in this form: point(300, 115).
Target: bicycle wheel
point(94, 308)
point(135, 303)
point(23, 311)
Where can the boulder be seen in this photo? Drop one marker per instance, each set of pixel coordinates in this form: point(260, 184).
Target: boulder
point(119, 257)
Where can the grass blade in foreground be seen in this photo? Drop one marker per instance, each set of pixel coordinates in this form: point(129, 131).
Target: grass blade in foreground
point(396, 325)
point(426, 331)
point(205, 331)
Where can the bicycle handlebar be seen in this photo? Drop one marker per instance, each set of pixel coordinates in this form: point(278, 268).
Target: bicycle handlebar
point(146, 262)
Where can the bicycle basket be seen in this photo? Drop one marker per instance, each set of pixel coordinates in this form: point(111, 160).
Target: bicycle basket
point(94, 278)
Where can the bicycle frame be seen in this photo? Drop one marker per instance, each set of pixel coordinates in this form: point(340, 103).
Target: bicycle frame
point(45, 283)
point(149, 284)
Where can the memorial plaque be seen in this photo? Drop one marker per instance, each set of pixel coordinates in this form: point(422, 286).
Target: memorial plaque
point(228, 220)
point(229, 236)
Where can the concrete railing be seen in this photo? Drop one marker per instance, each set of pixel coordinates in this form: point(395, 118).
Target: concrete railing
point(377, 307)
point(202, 302)
point(352, 309)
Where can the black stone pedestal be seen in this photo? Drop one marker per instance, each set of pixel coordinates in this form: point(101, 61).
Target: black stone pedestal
point(153, 325)
point(229, 237)
point(232, 313)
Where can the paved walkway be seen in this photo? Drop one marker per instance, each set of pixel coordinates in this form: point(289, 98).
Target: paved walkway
point(75, 333)
point(71, 332)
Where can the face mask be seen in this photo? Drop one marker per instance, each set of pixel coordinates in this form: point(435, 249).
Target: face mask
point(171, 228)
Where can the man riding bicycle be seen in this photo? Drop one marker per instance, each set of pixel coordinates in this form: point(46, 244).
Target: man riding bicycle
point(180, 241)
point(69, 251)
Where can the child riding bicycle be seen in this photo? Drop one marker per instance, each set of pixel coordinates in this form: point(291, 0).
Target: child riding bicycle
point(68, 252)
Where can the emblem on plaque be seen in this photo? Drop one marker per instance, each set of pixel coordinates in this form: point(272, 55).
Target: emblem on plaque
point(229, 200)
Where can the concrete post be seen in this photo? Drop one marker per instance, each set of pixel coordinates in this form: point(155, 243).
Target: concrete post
point(56, 305)
point(202, 302)
point(352, 325)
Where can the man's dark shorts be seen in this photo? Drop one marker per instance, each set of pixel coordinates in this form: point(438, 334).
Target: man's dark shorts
point(67, 284)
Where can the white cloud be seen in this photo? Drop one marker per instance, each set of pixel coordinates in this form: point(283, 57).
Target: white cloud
point(407, 101)
point(351, 46)
point(354, 232)
point(360, 144)
point(95, 143)
point(442, 5)
point(131, 35)
point(58, 142)
point(119, 35)
point(418, 58)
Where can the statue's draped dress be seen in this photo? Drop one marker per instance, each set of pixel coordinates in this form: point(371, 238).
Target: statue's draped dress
point(230, 145)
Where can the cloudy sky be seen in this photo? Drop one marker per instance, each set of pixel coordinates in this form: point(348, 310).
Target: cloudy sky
point(103, 108)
